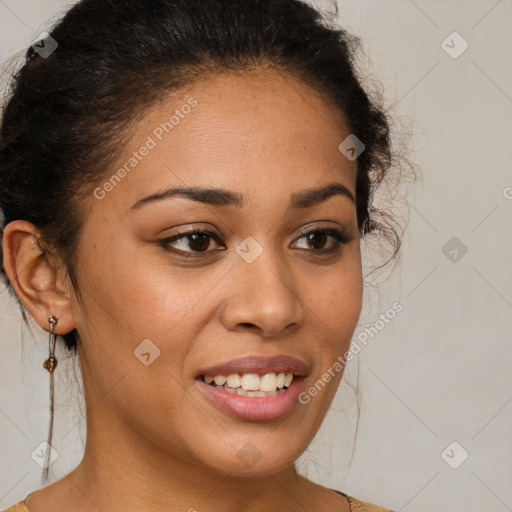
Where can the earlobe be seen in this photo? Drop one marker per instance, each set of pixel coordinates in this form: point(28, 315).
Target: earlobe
point(40, 287)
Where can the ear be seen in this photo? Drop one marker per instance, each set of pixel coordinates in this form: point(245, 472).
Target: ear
point(43, 289)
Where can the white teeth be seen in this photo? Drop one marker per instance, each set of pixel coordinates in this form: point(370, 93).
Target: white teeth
point(251, 384)
point(220, 380)
point(268, 382)
point(250, 381)
point(256, 393)
point(234, 380)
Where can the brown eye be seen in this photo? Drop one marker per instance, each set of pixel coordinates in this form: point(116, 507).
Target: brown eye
point(199, 241)
point(196, 242)
point(190, 243)
point(317, 239)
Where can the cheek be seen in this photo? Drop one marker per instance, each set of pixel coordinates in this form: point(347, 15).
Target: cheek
point(130, 298)
point(130, 291)
point(335, 302)
point(335, 312)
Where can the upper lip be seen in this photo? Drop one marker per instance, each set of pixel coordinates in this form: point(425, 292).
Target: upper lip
point(258, 364)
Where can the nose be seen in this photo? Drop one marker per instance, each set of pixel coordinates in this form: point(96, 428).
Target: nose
point(264, 298)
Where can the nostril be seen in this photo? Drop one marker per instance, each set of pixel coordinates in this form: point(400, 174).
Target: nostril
point(249, 325)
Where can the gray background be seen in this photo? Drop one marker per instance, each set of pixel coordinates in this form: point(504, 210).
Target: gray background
point(440, 371)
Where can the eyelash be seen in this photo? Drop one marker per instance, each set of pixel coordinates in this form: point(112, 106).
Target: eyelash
point(339, 236)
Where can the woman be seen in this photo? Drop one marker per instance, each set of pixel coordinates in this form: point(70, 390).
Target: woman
point(185, 186)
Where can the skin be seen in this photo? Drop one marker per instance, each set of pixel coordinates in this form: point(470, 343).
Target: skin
point(153, 441)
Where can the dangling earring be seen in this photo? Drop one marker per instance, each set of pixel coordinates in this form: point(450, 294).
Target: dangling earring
point(50, 364)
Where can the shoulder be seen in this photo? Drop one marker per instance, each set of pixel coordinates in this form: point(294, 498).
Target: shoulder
point(18, 507)
point(360, 506)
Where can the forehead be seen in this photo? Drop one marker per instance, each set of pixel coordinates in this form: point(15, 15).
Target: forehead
point(246, 132)
point(261, 110)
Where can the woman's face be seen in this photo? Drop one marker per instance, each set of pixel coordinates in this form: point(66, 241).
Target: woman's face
point(157, 316)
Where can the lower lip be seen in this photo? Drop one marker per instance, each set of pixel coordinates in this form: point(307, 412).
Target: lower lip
point(255, 408)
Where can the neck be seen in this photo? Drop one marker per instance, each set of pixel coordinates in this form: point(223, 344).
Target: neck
point(120, 473)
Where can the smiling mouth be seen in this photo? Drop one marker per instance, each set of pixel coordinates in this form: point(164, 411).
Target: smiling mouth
point(251, 384)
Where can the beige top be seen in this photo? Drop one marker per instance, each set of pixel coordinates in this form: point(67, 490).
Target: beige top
point(355, 506)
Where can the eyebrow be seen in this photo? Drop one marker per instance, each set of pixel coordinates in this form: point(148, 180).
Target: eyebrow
point(221, 197)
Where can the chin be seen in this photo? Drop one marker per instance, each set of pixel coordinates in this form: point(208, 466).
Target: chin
point(250, 461)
